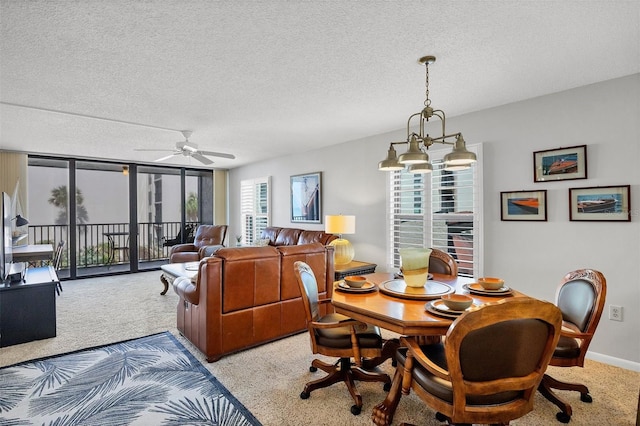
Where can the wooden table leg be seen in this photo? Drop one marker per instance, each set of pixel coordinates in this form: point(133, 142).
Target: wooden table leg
point(388, 352)
point(383, 412)
point(164, 280)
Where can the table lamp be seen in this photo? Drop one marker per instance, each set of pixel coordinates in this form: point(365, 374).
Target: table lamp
point(341, 224)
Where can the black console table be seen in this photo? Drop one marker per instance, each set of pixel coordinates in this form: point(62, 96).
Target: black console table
point(28, 307)
point(355, 267)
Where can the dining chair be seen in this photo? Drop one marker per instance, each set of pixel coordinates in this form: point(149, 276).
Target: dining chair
point(581, 298)
point(57, 260)
point(441, 262)
point(487, 369)
point(336, 335)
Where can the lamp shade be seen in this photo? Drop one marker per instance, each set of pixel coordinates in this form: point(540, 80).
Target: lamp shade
point(459, 158)
point(391, 162)
point(340, 224)
point(414, 154)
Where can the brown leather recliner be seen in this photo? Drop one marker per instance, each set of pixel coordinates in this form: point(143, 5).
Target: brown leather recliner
point(247, 296)
point(207, 240)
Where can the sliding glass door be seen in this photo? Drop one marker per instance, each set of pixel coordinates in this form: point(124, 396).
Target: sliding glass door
point(115, 217)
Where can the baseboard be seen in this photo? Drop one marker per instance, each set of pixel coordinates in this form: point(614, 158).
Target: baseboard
point(616, 362)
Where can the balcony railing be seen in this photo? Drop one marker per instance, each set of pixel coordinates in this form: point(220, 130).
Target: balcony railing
point(107, 244)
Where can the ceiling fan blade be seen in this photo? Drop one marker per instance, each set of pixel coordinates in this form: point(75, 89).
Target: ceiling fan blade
point(166, 157)
point(153, 149)
point(217, 154)
point(201, 158)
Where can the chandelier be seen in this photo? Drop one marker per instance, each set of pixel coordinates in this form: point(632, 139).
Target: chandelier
point(416, 158)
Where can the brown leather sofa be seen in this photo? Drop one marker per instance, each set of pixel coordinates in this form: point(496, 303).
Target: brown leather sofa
point(207, 240)
point(294, 236)
point(247, 296)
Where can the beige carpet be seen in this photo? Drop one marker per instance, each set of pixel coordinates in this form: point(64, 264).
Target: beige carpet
point(269, 379)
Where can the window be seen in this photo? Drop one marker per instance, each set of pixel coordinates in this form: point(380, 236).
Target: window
point(440, 210)
point(255, 208)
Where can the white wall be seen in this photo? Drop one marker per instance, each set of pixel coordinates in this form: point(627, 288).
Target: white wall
point(531, 256)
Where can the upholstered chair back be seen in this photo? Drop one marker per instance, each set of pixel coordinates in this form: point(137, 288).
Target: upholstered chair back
point(209, 235)
point(442, 263)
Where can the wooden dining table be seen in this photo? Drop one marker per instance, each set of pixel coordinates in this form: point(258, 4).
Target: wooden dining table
point(403, 315)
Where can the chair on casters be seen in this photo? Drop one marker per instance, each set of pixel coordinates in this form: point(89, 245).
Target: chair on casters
point(57, 259)
point(340, 336)
point(488, 368)
point(441, 262)
point(580, 297)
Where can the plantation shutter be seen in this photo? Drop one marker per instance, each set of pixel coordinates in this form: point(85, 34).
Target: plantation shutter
point(453, 203)
point(255, 209)
point(408, 224)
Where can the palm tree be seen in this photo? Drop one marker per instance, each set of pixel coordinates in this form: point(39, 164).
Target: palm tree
point(60, 199)
point(192, 207)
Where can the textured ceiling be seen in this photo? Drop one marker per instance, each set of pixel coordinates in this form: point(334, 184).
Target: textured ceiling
point(263, 79)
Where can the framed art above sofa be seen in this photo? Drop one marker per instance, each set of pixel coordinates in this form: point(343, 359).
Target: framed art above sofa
point(306, 198)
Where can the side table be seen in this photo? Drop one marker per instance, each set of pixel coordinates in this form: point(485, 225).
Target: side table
point(354, 267)
point(171, 271)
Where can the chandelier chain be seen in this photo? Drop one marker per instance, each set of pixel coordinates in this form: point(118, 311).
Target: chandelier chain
point(427, 101)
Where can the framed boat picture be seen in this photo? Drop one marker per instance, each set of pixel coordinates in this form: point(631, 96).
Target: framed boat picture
point(523, 205)
point(560, 164)
point(601, 203)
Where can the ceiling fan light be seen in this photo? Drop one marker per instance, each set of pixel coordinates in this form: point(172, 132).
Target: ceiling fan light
point(414, 154)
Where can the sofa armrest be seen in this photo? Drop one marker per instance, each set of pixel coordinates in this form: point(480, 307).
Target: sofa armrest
point(183, 247)
point(187, 290)
point(206, 251)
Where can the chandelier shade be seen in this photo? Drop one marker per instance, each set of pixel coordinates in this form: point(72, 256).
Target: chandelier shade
point(391, 162)
point(416, 158)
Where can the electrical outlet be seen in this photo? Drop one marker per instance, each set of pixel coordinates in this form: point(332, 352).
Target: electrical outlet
point(615, 313)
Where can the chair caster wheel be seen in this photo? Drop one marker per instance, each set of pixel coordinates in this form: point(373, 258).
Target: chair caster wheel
point(313, 369)
point(304, 395)
point(585, 397)
point(563, 417)
point(386, 387)
point(441, 417)
point(355, 410)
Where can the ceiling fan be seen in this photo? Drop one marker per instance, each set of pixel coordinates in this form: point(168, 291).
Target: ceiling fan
point(189, 149)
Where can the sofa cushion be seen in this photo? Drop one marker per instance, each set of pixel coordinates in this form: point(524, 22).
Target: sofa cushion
point(209, 235)
point(308, 237)
point(271, 232)
point(288, 237)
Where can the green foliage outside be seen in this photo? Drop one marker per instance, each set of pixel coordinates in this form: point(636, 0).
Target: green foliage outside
point(60, 199)
point(192, 207)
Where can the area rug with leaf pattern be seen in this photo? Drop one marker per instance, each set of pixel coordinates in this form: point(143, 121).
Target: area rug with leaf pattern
point(152, 380)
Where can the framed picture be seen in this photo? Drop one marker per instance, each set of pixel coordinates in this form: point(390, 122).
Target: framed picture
point(602, 203)
point(523, 205)
point(560, 164)
point(306, 198)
